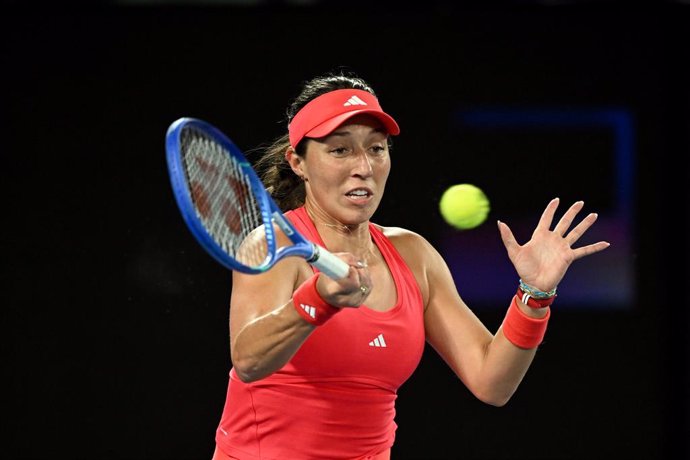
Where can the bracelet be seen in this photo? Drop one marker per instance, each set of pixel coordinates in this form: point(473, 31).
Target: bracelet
point(531, 302)
point(310, 305)
point(536, 293)
point(524, 331)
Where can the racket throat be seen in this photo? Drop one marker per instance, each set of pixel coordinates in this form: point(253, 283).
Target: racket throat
point(279, 219)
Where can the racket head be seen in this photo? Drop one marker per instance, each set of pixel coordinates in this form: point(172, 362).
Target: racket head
point(220, 196)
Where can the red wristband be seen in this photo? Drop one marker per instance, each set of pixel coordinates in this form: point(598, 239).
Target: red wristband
point(524, 331)
point(532, 302)
point(310, 305)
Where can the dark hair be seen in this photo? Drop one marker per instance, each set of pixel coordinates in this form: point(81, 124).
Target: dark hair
point(281, 182)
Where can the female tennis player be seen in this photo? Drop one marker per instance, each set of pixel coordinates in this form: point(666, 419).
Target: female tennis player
point(317, 362)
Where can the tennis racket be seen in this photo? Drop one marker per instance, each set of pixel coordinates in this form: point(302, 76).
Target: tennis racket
point(227, 207)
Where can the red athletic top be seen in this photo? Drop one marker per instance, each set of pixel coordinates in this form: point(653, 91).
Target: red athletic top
point(335, 399)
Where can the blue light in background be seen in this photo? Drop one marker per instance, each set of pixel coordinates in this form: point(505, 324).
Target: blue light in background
point(477, 258)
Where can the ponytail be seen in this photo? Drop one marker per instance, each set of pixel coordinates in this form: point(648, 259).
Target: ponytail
point(286, 188)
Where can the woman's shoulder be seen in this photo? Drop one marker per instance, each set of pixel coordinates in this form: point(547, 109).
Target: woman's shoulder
point(419, 255)
point(397, 232)
point(407, 242)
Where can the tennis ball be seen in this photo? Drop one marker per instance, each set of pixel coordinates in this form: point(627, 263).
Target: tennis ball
point(464, 206)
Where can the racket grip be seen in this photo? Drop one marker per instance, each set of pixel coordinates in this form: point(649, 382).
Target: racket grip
point(331, 265)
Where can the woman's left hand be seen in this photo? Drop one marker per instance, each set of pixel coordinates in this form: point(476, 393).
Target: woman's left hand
point(544, 259)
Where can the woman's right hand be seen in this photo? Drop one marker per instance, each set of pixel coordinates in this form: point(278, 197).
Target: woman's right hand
point(350, 291)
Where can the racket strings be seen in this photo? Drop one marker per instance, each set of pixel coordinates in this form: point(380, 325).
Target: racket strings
point(223, 198)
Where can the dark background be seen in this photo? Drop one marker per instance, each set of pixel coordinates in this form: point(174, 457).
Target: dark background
point(114, 321)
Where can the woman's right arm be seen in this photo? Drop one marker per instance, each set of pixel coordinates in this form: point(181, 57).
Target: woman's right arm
point(265, 329)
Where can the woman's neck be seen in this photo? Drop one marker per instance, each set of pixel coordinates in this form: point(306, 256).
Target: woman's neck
point(340, 237)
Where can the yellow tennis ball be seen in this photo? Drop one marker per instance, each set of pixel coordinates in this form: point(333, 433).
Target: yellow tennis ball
point(464, 206)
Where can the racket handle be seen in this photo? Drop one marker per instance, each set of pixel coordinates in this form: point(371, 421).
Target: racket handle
point(331, 265)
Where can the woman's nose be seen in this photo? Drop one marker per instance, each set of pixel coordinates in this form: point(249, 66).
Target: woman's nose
point(363, 166)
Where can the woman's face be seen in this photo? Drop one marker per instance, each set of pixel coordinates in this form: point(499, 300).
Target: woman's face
point(346, 171)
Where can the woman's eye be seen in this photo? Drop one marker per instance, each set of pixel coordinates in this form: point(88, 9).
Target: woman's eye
point(339, 151)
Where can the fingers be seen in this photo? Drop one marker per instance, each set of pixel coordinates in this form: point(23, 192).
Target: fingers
point(364, 280)
point(568, 218)
point(508, 238)
point(352, 290)
point(590, 249)
point(580, 228)
point(350, 259)
point(362, 277)
point(547, 215)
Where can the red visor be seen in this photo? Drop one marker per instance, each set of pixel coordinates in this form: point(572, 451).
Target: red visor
point(325, 113)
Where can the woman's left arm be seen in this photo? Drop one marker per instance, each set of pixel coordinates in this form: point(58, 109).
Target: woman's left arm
point(492, 366)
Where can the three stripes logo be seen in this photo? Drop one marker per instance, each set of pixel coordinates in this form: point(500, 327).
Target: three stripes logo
point(311, 311)
point(378, 342)
point(354, 100)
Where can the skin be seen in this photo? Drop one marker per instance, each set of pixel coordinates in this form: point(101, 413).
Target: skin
point(266, 331)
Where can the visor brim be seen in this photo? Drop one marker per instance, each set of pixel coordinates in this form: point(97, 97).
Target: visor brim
point(328, 126)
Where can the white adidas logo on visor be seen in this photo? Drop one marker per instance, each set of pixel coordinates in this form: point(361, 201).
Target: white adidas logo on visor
point(354, 100)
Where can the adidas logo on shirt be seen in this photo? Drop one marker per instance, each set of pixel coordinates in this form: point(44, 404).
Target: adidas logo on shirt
point(311, 311)
point(354, 100)
point(378, 342)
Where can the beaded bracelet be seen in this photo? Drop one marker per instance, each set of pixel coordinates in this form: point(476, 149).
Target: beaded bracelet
point(536, 293)
point(310, 305)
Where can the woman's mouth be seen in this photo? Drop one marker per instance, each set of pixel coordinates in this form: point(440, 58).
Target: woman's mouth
point(359, 194)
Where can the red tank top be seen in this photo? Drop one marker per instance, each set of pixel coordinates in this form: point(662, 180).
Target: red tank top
point(336, 398)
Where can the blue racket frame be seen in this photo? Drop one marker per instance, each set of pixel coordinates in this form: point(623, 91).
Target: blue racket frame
point(269, 210)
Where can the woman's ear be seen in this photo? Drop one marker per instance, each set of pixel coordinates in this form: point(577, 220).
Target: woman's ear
point(295, 161)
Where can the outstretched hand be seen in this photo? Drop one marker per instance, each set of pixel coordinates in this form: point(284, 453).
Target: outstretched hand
point(544, 259)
